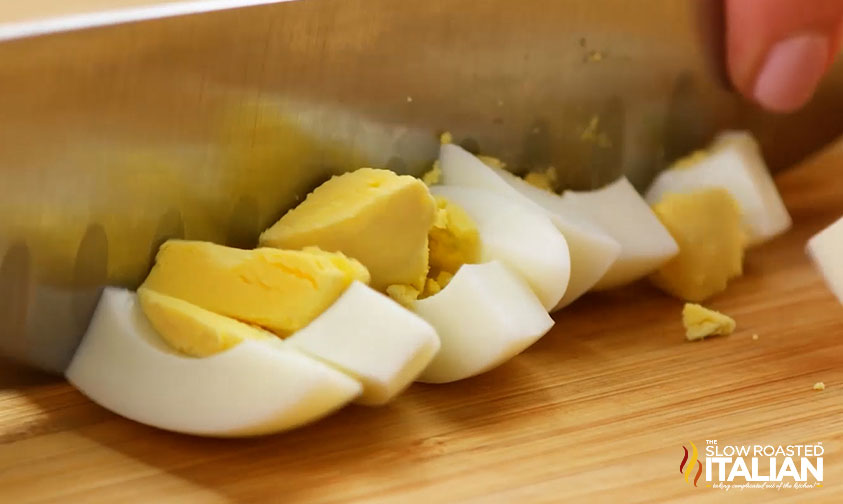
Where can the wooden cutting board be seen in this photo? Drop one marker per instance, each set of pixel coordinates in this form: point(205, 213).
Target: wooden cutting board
point(597, 411)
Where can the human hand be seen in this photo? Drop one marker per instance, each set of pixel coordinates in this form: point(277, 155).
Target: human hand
point(778, 50)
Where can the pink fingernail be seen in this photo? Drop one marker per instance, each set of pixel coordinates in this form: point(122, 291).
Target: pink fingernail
point(792, 72)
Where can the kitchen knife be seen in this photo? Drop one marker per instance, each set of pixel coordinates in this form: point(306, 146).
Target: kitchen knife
point(128, 122)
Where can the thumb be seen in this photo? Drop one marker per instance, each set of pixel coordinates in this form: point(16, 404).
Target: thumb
point(778, 50)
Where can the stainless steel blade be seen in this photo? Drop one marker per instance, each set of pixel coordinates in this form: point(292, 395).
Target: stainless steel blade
point(209, 125)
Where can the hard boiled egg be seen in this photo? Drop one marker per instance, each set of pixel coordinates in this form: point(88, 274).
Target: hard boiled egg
point(258, 386)
point(372, 338)
point(486, 315)
point(733, 162)
point(621, 212)
point(271, 288)
point(591, 250)
point(364, 334)
point(246, 381)
point(520, 237)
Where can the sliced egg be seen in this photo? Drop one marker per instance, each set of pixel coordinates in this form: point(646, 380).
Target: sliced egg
point(733, 162)
point(272, 288)
point(826, 250)
point(372, 338)
point(486, 315)
point(192, 330)
point(519, 236)
point(363, 334)
point(591, 250)
point(255, 387)
point(621, 212)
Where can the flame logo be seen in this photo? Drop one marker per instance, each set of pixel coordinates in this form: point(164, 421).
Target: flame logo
point(687, 469)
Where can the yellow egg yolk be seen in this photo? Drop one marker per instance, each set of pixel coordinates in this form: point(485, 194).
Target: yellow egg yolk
point(434, 175)
point(453, 241)
point(281, 290)
point(193, 330)
point(375, 216)
point(706, 225)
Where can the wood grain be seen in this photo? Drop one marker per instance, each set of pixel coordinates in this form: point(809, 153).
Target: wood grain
point(597, 411)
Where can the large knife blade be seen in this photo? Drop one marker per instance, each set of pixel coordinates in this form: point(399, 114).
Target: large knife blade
point(122, 128)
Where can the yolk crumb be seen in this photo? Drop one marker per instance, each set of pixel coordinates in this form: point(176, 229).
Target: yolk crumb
point(543, 180)
point(700, 322)
point(434, 175)
point(492, 161)
point(453, 240)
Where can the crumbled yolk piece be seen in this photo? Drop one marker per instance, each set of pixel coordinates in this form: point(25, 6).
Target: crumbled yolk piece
point(281, 290)
point(543, 180)
point(434, 175)
point(492, 161)
point(453, 240)
point(431, 287)
point(706, 225)
point(592, 134)
point(434, 285)
point(375, 216)
point(700, 322)
point(446, 138)
point(819, 386)
point(537, 179)
point(193, 330)
point(405, 295)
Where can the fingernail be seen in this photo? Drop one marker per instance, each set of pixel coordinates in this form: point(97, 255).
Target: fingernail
point(791, 72)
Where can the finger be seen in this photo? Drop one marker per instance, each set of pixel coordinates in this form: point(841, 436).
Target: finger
point(778, 50)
